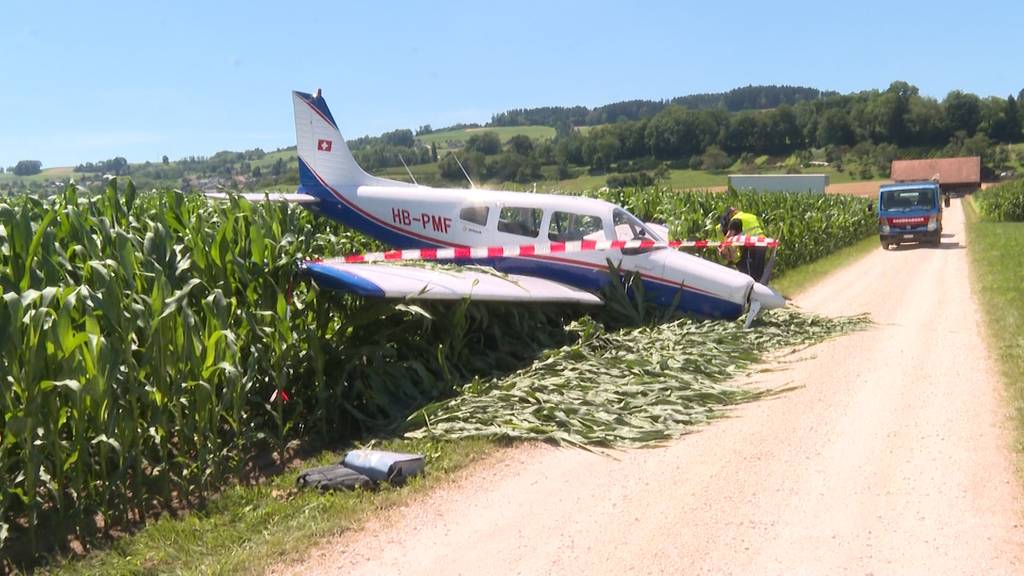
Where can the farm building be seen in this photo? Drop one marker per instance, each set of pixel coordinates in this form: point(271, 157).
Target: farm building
point(954, 174)
point(780, 182)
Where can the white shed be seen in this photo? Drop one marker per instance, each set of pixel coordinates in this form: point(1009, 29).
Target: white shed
point(780, 182)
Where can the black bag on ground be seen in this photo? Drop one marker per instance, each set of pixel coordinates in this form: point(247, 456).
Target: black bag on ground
point(333, 477)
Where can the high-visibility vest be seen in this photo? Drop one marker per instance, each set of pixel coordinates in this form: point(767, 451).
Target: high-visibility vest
point(751, 225)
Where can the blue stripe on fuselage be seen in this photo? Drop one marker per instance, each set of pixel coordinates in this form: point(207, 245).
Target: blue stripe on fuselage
point(587, 277)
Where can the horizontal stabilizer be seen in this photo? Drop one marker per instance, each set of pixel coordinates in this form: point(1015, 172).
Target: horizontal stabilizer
point(414, 283)
point(267, 197)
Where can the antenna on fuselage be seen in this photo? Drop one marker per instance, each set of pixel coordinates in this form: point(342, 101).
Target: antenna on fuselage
point(409, 172)
point(471, 183)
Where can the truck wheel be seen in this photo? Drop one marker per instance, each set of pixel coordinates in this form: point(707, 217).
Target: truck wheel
point(885, 245)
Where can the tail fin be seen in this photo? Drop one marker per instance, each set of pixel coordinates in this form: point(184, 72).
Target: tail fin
point(324, 157)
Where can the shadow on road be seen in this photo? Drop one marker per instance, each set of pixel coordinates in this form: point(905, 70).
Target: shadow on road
point(941, 246)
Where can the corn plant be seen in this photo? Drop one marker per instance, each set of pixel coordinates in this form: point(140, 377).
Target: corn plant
point(1002, 203)
point(809, 226)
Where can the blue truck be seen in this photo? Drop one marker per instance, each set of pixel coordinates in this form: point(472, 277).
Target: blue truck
point(910, 212)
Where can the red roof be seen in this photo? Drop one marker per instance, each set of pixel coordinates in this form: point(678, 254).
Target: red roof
point(966, 170)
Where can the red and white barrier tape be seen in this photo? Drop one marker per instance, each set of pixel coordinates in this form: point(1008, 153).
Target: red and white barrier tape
point(482, 252)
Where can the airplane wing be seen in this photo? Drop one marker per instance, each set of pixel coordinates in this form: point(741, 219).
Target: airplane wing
point(268, 197)
point(392, 281)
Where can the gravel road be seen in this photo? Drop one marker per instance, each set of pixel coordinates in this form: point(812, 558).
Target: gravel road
point(892, 457)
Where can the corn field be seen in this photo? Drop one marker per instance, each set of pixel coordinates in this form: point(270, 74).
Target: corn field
point(1002, 203)
point(809, 226)
point(152, 344)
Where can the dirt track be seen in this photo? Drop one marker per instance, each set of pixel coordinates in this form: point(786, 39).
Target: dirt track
point(893, 458)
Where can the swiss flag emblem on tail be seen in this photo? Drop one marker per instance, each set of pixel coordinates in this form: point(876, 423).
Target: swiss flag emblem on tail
point(324, 145)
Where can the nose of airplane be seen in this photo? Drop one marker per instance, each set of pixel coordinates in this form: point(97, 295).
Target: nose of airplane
point(766, 296)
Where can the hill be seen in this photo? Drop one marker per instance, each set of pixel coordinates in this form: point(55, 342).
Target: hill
point(735, 100)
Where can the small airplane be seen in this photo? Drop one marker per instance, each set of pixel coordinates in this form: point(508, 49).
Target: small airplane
point(407, 215)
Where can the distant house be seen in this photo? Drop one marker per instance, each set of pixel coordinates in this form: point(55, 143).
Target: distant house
point(954, 174)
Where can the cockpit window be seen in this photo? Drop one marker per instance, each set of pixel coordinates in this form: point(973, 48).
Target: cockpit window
point(627, 227)
point(520, 221)
point(569, 227)
point(475, 214)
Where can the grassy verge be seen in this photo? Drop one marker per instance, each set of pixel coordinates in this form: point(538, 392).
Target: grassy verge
point(995, 250)
point(247, 529)
point(799, 279)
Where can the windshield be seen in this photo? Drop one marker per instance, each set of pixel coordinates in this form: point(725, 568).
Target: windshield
point(628, 227)
point(908, 199)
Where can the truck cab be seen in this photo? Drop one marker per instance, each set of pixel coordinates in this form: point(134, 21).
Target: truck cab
point(910, 212)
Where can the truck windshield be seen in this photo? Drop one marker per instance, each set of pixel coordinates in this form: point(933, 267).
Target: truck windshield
point(908, 199)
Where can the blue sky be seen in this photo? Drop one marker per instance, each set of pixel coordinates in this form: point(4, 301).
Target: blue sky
point(86, 81)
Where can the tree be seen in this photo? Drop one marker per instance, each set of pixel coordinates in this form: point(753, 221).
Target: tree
point(402, 137)
point(898, 98)
point(28, 167)
point(834, 128)
point(118, 166)
point(1012, 115)
point(520, 144)
point(602, 152)
point(786, 134)
point(473, 161)
point(277, 168)
point(714, 158)
point(563, 172)
point(676, 132)
point(741, 133)
point(963, 112)
point(486, 143)
point(165, 159)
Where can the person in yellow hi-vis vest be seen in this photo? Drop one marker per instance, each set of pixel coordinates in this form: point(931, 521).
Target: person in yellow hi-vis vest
point(750, 261)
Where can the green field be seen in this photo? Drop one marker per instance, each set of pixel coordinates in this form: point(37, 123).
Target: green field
point(995, 249)
point(289, 156)
point(503, 132)
point(47, 175)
